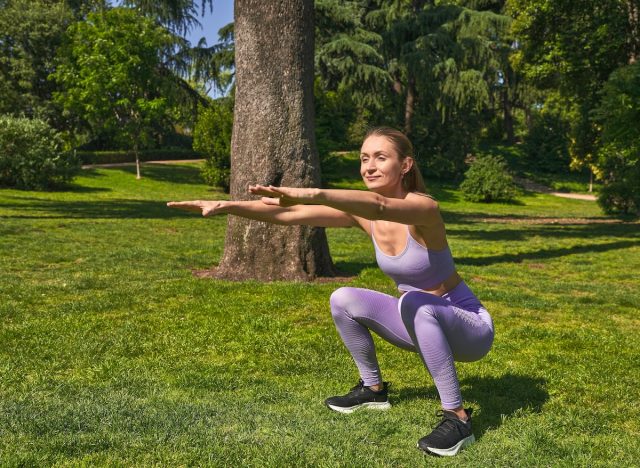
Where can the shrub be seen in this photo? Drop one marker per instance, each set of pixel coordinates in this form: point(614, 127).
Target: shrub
point(618, 154)
point(212, 137)
point(488, 180)
point(546, 146)
point(620, 193)
point(31, 155)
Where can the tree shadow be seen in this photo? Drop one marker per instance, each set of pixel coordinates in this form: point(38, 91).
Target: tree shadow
point(566, 231)
point(174, 173)
point(353, 268)
point(497, 397)
point(117, 208)
point(544, 253)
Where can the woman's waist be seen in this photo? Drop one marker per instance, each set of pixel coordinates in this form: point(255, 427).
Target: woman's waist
point(440, 289)
point(456, 291)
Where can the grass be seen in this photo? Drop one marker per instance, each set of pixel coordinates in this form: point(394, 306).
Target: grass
point(112, 353)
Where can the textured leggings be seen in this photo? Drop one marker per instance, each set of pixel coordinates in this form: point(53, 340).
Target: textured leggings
point(440, 329)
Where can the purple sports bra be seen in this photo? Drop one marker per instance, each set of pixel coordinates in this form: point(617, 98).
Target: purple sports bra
point(416, 267)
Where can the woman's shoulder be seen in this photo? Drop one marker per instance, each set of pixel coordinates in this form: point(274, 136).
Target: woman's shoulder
point(422, 194)
point(426, 197)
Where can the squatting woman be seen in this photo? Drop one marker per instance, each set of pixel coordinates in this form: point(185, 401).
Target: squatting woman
point(436, 315)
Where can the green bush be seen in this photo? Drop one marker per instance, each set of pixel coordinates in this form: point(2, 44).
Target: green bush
point(546, 146)
point(212, 137)
point(618, 154)
point(620, 193)
point(31, 155)
point(488, 180)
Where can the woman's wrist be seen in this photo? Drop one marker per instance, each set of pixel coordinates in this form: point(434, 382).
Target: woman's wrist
point(317, 195)
point(226, 206)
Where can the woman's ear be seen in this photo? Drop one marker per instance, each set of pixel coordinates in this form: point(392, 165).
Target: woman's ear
point(407, 164)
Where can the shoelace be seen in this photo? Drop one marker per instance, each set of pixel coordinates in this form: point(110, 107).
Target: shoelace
point(358, 386)
point(447, 417)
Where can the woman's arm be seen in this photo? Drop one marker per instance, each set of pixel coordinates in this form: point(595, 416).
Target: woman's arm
point(311, 215)
point(414, 209)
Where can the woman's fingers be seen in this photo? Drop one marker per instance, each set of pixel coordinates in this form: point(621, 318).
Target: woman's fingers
point(262, 190)
point(270, 201)
point(195, 206)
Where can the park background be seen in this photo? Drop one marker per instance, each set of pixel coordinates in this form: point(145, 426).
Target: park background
point(119, 346)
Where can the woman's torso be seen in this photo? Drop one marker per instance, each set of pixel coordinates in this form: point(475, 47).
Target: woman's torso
point(414, 247)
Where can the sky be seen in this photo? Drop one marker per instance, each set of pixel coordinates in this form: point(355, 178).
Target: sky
point(212, 21)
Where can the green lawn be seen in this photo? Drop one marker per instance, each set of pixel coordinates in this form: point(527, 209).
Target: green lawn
point(113, 353)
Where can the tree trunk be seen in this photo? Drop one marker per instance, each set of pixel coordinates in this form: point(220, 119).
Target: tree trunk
point(137, 155)
point(506, 111)
point(634, 31)
point(273, 140)
point(409, 107)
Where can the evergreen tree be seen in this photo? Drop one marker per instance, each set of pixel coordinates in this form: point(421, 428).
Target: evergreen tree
point(426, 67)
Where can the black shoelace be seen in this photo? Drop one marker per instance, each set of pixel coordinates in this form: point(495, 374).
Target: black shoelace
point(442, 429)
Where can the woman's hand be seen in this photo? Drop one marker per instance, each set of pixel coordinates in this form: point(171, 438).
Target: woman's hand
point(283, 196)
point(206, 207)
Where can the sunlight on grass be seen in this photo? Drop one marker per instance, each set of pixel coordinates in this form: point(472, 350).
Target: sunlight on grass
point(112, 353)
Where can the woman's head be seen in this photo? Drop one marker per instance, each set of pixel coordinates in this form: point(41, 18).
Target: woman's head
point(398, 156)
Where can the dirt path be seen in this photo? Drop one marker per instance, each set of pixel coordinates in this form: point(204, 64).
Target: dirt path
point(539, 188)
point(177, 161)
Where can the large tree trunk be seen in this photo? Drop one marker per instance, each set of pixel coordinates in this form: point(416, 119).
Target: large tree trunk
point(273, 140)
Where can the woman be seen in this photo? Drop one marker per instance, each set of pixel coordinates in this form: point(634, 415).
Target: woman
point(436, 316)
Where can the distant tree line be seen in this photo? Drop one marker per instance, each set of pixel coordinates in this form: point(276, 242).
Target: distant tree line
point(561, 78)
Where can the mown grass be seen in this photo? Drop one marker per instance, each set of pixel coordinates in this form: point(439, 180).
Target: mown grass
point(113, 353)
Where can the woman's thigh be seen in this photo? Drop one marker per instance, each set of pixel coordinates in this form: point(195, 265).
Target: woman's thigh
point(376, 311)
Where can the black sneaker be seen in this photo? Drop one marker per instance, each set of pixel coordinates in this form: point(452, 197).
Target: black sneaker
point(360, 396)
point(450, 435)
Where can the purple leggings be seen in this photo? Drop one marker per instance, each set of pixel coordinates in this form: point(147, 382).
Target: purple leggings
point(441, 329)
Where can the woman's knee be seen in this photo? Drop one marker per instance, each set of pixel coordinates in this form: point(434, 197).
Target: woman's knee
point(341, 299)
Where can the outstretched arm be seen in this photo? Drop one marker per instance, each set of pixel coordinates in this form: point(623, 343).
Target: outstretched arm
point(414, 209)
point(311, 215)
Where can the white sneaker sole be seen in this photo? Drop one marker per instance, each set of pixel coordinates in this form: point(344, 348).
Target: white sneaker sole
point(450, 452)
point(383, 405)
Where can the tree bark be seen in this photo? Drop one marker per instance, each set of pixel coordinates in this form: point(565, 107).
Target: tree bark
point(273, 140)
point(506, 111)
point(634, 31)
point(409, 107)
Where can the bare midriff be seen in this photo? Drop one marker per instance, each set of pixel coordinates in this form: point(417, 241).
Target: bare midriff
point(447, 285)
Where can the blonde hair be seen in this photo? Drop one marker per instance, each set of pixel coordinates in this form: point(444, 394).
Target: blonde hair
point(412, 181)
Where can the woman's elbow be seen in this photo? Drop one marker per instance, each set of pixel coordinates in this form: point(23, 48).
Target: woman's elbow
point(379, 208)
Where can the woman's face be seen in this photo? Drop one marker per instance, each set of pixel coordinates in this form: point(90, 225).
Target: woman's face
point(380, 165)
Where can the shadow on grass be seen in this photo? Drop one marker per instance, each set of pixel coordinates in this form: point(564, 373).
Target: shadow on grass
point(497, 397)
point(354, 268)
point(503, 396)
point(575, 231)
point(175, 174)
point(118, 208)
point(545, 253)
